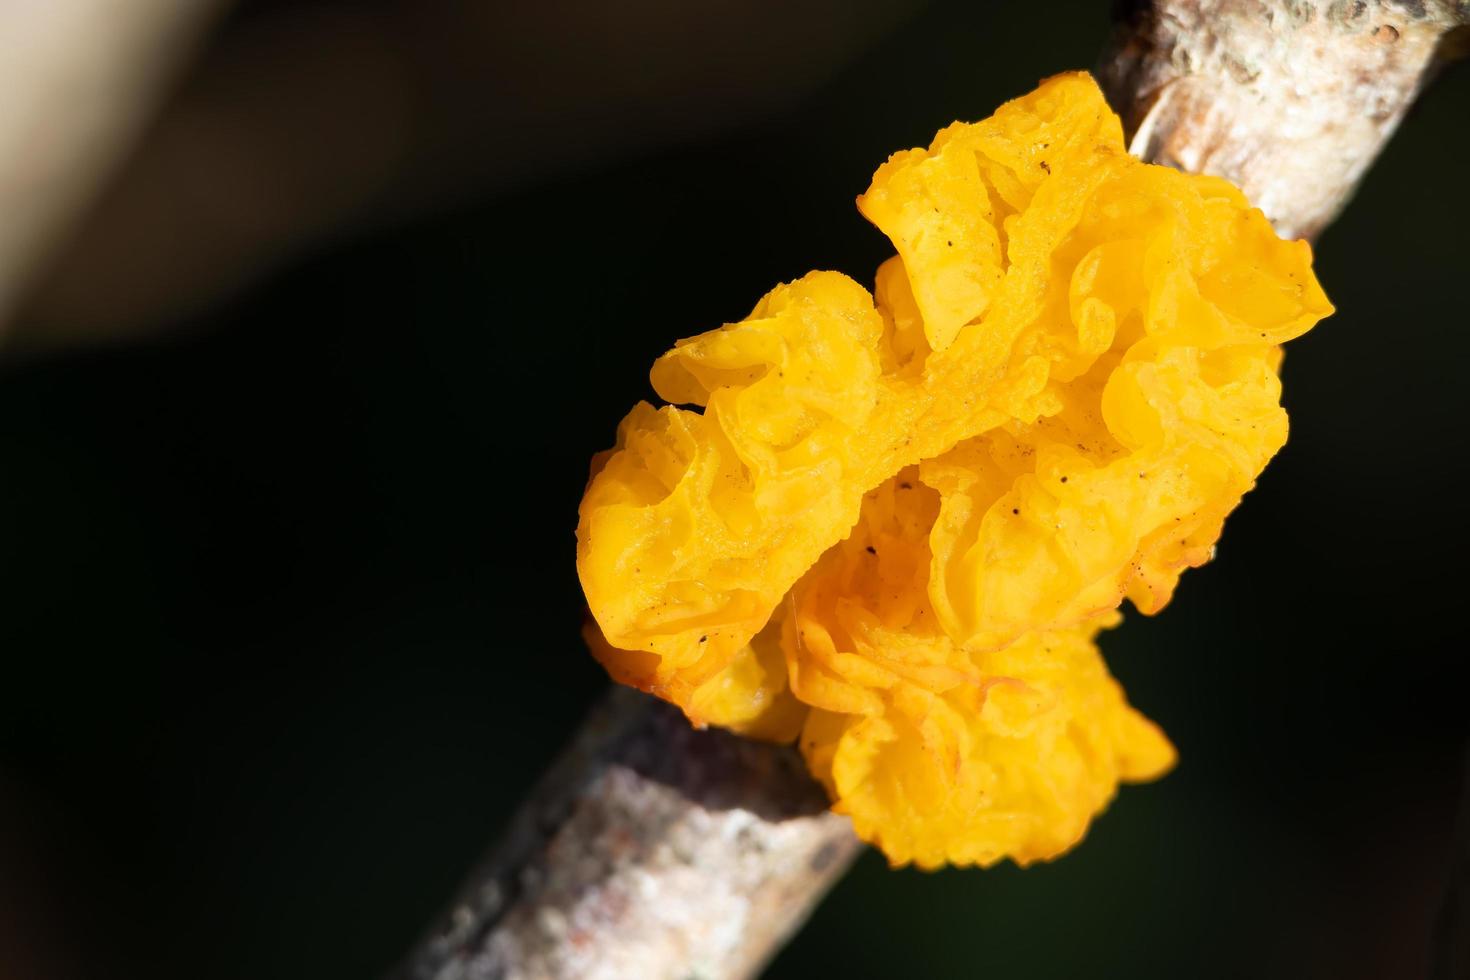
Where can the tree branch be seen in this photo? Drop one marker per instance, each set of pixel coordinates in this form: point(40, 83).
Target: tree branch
point(80, 79)
point(649, 850)
point(654, 851)
point(1292, 100)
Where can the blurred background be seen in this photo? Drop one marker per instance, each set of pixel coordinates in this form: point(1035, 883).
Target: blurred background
point(295, 411)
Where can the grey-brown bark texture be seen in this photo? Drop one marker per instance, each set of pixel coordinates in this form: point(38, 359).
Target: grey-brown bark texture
point(649, 850)
point(1290, 99)
point(653, 851)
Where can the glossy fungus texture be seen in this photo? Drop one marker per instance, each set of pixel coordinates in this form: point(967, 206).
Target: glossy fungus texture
point(893, 522)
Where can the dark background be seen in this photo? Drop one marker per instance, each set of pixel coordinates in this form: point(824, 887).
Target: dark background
point(289, 613)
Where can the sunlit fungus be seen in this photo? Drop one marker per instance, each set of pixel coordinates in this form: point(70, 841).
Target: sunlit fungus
point(892, 523)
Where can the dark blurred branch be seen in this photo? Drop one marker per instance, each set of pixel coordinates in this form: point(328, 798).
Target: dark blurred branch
point(80, 79)
point(317, 119)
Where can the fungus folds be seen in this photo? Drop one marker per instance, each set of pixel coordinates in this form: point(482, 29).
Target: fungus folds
point(892, 523)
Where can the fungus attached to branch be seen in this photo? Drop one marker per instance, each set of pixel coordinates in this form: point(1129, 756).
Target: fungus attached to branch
point(900, 518)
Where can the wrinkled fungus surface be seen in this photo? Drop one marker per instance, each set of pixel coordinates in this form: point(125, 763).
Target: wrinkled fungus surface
point(892, 523)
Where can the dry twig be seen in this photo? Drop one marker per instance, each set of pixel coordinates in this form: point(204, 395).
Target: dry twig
point(653, 851)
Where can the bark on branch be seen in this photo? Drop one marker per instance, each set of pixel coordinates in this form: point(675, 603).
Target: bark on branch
point(1290, 99)
point(649, 850)
point(653, 851)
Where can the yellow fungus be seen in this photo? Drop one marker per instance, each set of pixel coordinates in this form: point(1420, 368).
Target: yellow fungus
point(894, 521)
